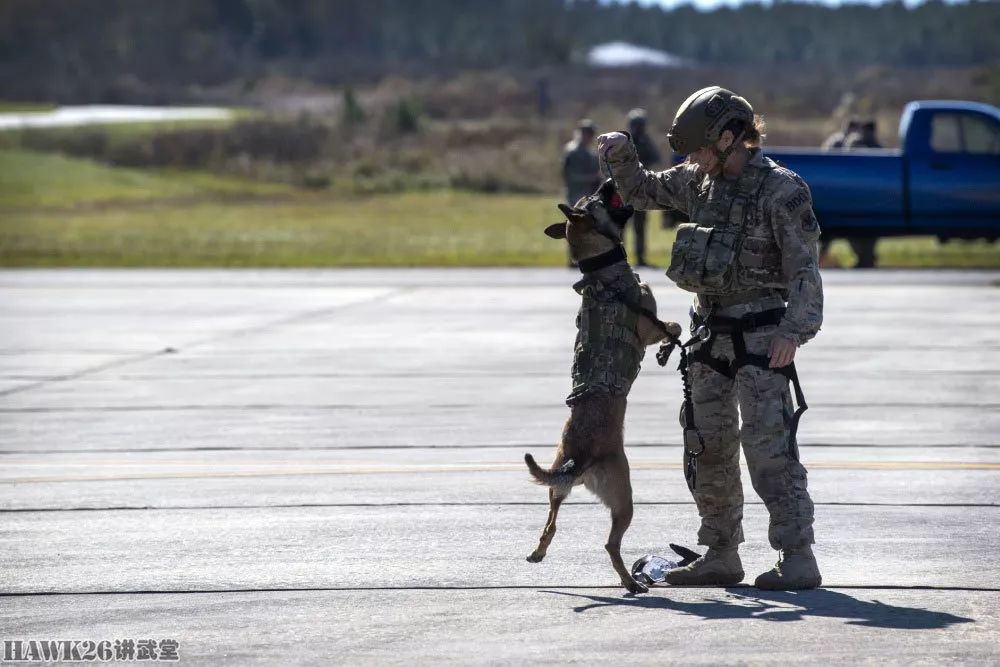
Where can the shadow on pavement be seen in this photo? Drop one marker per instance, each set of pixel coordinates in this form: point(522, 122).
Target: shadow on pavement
point(784, 606)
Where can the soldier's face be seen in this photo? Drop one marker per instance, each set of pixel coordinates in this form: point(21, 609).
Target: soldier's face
point(706, 161)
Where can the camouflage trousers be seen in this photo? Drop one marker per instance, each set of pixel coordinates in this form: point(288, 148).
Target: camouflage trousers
point(765, 405)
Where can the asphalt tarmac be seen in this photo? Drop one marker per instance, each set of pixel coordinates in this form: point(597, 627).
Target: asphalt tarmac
point(284, 467)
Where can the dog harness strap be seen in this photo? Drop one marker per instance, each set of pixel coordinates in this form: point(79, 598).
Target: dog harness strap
point(613, 256)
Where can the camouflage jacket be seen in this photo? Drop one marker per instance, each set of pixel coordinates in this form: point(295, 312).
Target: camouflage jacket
point(580, 171)
point(780, 245)
point(608, 351)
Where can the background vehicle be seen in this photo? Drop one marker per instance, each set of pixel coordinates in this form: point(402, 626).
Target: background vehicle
point(944, 180)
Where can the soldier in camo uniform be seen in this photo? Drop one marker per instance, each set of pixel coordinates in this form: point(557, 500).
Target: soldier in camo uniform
point(749, 253)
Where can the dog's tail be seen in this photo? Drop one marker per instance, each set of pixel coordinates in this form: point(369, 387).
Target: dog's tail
point(560, 478)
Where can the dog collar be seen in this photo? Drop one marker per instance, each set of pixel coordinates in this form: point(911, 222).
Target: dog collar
point(613, 256)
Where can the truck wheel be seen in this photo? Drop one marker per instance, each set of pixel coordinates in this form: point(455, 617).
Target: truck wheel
point(864, 248)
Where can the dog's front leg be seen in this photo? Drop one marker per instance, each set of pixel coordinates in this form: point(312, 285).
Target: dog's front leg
point(555, 500)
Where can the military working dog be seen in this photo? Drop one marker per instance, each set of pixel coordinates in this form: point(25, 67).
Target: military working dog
point(616, 322)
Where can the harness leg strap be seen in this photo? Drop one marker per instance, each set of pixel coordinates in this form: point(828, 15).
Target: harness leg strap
point(736, 327)
point(800, 399)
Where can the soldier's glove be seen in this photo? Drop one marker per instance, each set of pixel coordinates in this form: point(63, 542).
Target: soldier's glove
point(611, 140)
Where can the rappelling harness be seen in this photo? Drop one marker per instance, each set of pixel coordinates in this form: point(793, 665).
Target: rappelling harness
point(706, 330)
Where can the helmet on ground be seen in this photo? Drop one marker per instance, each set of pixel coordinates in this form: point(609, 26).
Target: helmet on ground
point(702, 117)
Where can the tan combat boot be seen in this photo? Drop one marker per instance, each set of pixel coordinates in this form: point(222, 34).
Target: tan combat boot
point(795, 570)
point(716, 568)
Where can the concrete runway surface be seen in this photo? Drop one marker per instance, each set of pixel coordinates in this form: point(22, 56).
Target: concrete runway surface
point(326, 466)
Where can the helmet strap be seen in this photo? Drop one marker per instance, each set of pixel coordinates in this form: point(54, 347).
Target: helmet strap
point(723, 155)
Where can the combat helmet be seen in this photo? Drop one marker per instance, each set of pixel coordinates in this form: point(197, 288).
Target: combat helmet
point(701, 118)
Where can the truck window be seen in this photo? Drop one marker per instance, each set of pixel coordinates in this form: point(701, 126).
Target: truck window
point(965, 133)
point(980, 135)
point(946, 137)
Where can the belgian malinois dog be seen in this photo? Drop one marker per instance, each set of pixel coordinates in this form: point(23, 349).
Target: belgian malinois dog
point(592, 450)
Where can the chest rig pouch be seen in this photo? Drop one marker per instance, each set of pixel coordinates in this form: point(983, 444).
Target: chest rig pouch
point(704, 253)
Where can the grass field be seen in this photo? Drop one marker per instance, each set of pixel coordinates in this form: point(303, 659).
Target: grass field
point(11, 106)
point(59, 211)
point(31, 181)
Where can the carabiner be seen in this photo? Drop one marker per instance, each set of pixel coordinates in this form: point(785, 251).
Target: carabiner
point(688, 441)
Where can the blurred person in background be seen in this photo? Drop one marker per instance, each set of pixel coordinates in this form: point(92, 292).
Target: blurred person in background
point(856, 134)
point(865, 136)
point(580, 169)
point(749, 255)
point(839, 138)
point(649, 156)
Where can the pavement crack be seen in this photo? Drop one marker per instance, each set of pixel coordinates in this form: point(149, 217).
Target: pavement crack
point(357, 407)
point(145, 356)
point(526, 503)
point(300, 317)
point(89, 370)
point(417, 447)
point(430, 588)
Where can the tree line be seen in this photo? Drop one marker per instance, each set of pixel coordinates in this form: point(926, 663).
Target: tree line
point(77, 50)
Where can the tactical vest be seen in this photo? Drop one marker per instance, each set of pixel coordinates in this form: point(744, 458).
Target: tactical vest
point(703, 258)
point(608, 350)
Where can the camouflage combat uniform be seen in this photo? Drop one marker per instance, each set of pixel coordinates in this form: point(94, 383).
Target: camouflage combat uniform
point(776, 265)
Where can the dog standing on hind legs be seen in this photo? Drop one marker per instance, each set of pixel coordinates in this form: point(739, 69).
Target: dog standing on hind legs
point(617, 320)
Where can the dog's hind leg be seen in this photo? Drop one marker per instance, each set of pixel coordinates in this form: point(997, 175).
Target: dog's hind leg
point(615, 490)
point(555, 500)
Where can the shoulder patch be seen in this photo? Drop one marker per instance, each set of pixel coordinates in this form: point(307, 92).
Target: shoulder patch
point(801, 197)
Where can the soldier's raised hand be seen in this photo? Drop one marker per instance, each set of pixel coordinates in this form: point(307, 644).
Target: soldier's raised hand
point(609, 140)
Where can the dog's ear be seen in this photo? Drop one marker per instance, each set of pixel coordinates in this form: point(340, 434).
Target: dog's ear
point(556, 231)
point(572, 214)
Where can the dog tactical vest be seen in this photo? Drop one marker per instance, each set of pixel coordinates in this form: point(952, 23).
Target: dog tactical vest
point(704, 254)
point(608, 350)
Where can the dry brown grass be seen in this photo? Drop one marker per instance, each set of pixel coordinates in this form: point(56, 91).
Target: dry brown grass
point(482, 131)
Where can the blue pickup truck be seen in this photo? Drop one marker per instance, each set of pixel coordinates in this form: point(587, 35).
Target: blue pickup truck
point(944, 181)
